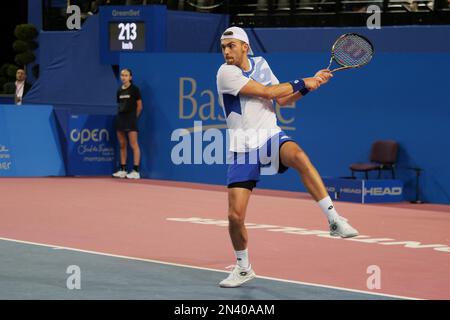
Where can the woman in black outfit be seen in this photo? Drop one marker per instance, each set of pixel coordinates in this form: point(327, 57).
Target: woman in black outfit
point(129, 108)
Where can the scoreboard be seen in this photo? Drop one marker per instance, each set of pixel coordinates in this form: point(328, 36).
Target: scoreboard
point(127, 29)
point(127, 36)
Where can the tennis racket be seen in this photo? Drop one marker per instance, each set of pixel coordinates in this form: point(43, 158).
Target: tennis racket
point(351, 50)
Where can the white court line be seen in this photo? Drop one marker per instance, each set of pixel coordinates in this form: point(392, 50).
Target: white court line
point(207, 269)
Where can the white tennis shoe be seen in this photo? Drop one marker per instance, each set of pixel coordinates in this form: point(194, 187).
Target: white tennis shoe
point(133, 175)
point(237, 277)
point(120, 174)
point(341, 228)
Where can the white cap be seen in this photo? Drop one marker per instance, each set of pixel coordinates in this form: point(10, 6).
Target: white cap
point(237, 33)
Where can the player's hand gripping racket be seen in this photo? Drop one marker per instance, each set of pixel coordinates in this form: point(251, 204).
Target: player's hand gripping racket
point(351, 51)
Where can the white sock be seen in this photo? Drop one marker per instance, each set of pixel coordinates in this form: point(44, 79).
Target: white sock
point(328, 208)
point(242, 258)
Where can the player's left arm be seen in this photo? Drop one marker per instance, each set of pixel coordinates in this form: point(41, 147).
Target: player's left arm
point(139, 107)
point(325, 75)
point(138, 102)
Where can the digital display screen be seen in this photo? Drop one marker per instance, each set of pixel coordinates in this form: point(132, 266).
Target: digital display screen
point(127, 36)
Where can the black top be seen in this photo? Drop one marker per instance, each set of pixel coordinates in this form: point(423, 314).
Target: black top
point(127, 98)
point(10, 88)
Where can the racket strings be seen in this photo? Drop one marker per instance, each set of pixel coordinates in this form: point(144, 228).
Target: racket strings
point(352, 51)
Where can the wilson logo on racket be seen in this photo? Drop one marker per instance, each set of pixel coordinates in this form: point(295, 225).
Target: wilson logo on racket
point(352, 49)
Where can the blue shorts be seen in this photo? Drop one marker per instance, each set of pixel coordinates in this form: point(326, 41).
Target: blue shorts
point(248, 166)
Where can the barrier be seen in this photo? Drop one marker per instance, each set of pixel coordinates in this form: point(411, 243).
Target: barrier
point(29, 142)
point(364, 191)
point(91, 145)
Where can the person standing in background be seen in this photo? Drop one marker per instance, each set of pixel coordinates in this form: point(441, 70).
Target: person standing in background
point(18, 88)
point(129, 108)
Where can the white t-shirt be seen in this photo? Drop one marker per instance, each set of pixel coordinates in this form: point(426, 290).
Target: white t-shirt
point(19, 91)
point(251, 120)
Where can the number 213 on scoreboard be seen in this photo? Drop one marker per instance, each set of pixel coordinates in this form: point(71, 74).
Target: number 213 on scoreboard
point(127, 36)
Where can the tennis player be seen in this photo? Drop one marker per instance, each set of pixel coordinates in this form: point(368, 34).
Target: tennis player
point(247, 91)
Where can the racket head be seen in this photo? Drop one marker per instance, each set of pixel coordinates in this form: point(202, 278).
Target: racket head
point(351, 50)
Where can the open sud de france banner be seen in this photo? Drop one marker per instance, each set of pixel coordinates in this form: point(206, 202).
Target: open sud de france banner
point(91, 145)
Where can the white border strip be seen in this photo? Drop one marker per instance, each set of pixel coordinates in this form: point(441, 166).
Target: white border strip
point(207, 269)
point(363, 190)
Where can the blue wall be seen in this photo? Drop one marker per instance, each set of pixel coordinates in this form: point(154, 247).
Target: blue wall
point(71, 76)
point(29, 142)
point(194, 32)
point(6, 99)
point(393, 39)
point(392, 98)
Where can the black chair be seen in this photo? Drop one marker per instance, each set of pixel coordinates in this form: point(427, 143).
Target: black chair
point(382, 157)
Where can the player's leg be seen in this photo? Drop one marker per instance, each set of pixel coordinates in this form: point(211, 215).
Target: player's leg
point(238, 198)
point(122, 172)
point(237, 206)
point(291, 155)
point(133, 139)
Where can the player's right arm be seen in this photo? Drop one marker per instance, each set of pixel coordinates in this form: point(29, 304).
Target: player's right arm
point(324, 75)
point(277, 91)
point(230, 80)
